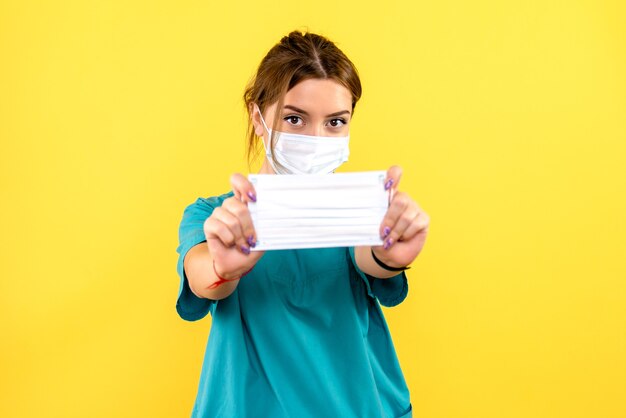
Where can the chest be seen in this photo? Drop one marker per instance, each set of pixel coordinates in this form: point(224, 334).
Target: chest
point(300, 277)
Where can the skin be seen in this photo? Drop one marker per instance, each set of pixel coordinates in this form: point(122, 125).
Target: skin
point(312, 107)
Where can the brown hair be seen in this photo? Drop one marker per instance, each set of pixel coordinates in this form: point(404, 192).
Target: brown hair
point(297, 57)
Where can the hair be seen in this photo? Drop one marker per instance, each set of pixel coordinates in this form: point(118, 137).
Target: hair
point(297, 57)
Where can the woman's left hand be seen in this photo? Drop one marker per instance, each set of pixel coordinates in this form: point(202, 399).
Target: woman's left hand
point(404, 227)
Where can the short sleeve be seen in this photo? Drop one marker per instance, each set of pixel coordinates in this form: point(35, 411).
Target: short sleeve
point(389, 292)
point(190, 233)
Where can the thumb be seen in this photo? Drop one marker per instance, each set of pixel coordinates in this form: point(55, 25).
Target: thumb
point(393, 177)
point(392, 180)
point(242, 188)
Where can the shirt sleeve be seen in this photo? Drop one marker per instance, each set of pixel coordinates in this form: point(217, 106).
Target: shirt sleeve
point(389, 292)
point(191, 232)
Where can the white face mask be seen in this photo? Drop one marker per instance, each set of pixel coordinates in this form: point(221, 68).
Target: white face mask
point(306, 154)
point(342, 210)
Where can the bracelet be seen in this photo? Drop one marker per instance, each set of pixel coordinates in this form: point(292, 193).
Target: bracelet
point(220, 280)
point(385, 266)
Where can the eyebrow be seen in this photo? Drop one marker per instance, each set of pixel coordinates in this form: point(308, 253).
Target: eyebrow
point(304, 112)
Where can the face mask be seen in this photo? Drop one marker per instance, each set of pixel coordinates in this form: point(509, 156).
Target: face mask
point(342, 210)
point(306, 154)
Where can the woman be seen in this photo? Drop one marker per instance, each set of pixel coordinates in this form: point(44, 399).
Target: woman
point(302, 334)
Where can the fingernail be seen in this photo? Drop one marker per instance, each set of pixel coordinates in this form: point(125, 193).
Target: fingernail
point(388, 184)
point(388, 244)
point(386, 231)
point(251, 241)
point(252, 196)
point(245, 250)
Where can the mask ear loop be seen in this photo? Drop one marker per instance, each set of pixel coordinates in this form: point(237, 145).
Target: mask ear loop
point(262, 120)
point(269, 131)
point(268, 152)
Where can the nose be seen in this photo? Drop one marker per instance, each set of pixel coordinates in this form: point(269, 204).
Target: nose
point(318, 130)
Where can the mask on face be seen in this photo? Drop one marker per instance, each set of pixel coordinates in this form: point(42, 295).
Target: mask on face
point(306, 154)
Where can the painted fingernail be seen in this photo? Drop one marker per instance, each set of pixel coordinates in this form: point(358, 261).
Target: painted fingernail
point(388, 244)
point(386, 231)
point(245, 250)
point(388, 184)
point(252, 196)
point(251, 241)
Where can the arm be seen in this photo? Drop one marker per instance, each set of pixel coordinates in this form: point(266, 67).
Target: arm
point(403, 229)
point(226, 252)
point(199, 270)
point(366, 263)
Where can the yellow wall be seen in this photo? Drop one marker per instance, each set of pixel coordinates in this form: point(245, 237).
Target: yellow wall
point(508, 118)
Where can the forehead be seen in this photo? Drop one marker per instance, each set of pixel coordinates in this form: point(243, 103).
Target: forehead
point(323, 95)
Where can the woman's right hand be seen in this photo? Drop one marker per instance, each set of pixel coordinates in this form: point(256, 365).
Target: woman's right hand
point(230, 233)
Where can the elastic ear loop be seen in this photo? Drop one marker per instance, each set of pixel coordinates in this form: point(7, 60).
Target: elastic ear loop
point(269, 131)
point(263, 120)
point(266, 128)
point(220, 280)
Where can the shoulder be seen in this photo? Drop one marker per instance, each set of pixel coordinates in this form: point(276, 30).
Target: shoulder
point(196, 213)
point(208, 203)
point(204, 206)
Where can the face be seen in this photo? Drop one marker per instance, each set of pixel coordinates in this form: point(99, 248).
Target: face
point(312, 107)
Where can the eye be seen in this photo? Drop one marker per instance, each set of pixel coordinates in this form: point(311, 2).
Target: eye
point(293, 120)
point(336, 123)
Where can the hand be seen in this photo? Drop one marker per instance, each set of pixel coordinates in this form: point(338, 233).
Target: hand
point(230, 233)
point(404, 227)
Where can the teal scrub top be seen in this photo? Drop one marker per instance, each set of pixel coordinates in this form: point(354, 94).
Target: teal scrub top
point(303, 335)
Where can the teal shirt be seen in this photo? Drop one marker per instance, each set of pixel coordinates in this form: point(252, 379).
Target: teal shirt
point(303, 335)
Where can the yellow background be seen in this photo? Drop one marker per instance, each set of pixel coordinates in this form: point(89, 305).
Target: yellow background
point(509, 119)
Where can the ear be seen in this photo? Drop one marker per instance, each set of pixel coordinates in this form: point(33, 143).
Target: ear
point(256, 119)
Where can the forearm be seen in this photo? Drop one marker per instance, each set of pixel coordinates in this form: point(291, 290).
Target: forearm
point(198, 266)
point(365, 262)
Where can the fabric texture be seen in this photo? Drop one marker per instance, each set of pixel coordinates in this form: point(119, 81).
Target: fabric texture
point(303, 335)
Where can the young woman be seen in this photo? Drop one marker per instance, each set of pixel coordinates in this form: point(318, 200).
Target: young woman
point(302, 334)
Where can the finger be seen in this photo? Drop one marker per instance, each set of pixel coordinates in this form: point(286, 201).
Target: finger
point(402, 214)
point(398, 205)
point(405, 220)
point(223, 215)
point(242, 188)
point(393, 177)
point(419, 224)
point(215, 229)
point(242, 213)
